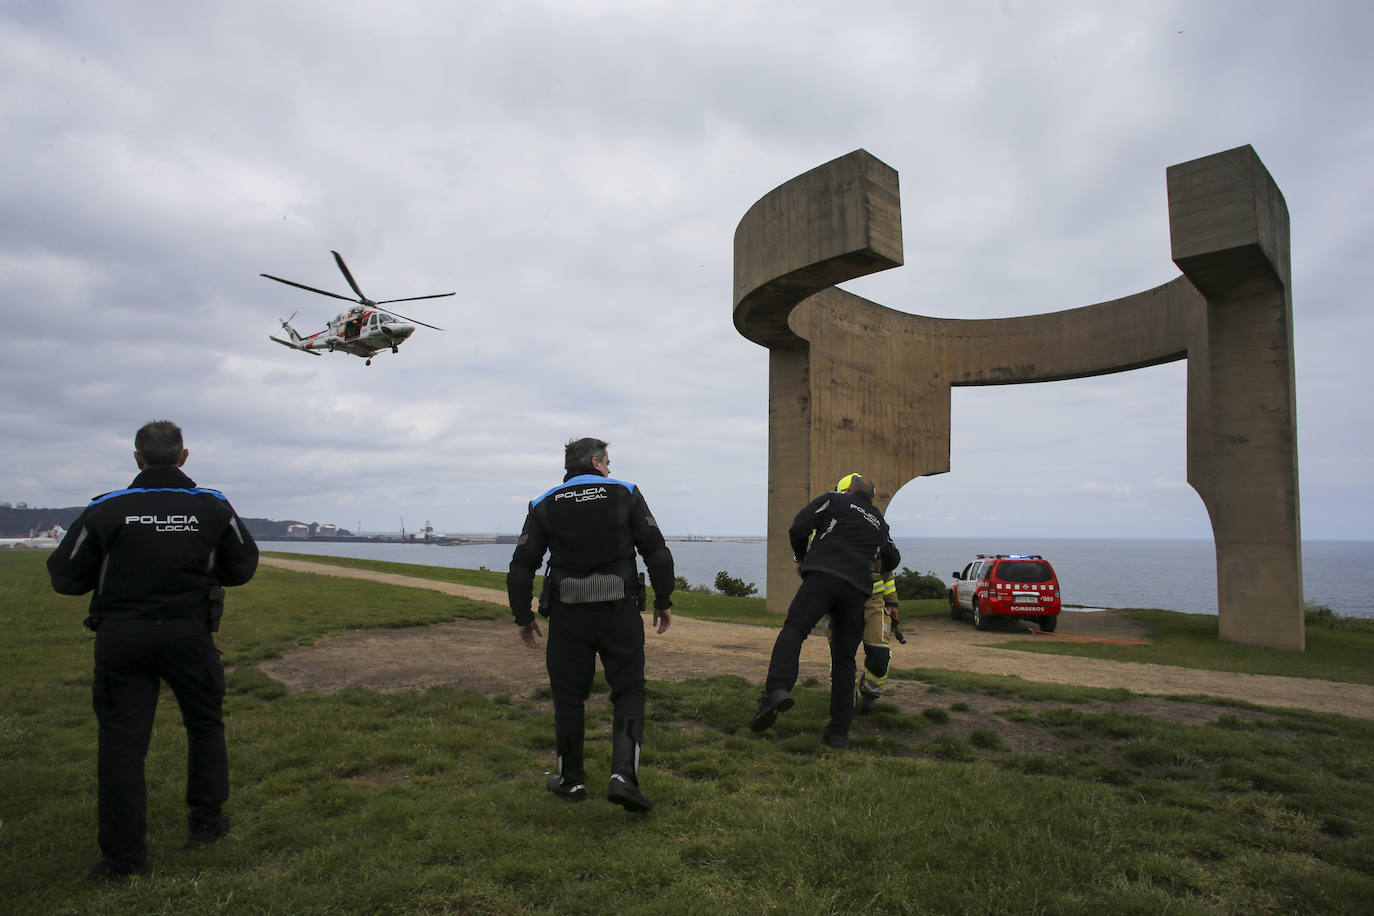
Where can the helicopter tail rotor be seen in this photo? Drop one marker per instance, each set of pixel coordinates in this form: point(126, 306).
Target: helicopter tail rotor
point(286, 326)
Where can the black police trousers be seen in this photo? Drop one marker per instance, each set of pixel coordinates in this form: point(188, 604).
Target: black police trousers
point(131, 658)
point(821, 594)
point(578, 634)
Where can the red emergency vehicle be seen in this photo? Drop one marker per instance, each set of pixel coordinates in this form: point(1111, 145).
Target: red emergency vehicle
point(1006, 585)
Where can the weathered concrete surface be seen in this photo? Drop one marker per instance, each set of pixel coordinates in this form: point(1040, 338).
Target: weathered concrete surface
point(1229, 231)
point(836, 360)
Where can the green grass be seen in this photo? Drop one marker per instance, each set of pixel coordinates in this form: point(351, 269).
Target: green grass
point(292, 608)
point(1338, 649)
point(1190, 641)
point(484, 578)
point(686, 603)
point(1059, 800)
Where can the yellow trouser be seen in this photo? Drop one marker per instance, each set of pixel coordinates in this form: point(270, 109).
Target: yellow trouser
point(877, 651)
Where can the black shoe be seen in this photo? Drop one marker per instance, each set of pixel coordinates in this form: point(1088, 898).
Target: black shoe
point(865, 704)
point(626, 794)
point(571, 792)
point(834, 739)
point(207, 832)
point(104, 870)
point(772, 703)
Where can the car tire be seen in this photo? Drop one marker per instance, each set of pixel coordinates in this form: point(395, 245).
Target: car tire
point(954, 612)
point(1048, 622)
point(980, 621)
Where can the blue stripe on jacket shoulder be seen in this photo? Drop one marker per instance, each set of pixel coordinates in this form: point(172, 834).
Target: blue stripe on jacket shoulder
point(192, 490)
point(580, 480)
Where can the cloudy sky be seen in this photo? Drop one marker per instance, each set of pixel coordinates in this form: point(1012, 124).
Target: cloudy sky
point(575, 172)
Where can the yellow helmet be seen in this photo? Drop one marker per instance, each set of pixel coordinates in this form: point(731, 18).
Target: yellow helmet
point(846, 482)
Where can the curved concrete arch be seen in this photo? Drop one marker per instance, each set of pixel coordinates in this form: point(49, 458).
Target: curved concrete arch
point(853, 384)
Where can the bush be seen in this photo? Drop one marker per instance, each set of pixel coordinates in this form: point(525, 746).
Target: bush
point(912, 586)
point(1322, 615)
point(731, 587)
point(680, 584)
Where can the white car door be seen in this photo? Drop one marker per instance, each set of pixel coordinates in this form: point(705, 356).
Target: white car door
point(968, 584)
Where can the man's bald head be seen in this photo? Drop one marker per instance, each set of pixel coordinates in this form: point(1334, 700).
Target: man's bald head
point(859, 484)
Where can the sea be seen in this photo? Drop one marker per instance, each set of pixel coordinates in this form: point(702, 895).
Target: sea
point(1175, 575)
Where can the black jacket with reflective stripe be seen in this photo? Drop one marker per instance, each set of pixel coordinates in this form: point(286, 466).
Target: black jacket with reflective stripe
point(849, 532)
point(588, 524)
point(154, 550)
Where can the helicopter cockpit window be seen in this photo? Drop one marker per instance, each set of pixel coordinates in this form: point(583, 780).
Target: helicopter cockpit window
point(386, 319)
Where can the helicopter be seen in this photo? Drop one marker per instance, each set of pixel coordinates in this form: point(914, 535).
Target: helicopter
point(364, 330)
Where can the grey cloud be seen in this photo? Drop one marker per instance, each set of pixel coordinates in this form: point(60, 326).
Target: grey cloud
point(576, 174)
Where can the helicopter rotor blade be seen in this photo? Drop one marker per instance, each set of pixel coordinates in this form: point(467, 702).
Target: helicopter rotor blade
point(310, 288)
point(413, 298)
point(413, 320)
point(362, 297)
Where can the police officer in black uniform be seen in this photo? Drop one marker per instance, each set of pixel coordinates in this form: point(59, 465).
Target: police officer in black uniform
point(835, 539)
point(156, 557)
point(592, 525)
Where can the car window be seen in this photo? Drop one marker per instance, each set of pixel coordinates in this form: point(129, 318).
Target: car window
point(1024, 571)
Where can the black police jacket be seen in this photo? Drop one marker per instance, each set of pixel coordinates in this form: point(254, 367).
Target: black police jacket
point(155, 550)
point(588, 524)
point(849, 533)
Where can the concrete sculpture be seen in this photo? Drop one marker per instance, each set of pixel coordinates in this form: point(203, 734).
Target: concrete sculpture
point(835, 359)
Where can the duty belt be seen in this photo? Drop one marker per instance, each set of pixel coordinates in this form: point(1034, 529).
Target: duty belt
point(593, 588)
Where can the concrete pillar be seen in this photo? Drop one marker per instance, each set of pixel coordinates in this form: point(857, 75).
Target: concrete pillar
point(1229, 229)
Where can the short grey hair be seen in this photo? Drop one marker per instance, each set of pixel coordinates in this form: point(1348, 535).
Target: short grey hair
point(578, 453)
point(159, 442)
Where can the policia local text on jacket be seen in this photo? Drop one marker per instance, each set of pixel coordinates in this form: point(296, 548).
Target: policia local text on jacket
point(156, 557)
point(835, 539)
point(849, 532)
point(591, 526)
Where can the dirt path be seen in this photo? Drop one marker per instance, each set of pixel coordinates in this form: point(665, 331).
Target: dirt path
point(487, 656)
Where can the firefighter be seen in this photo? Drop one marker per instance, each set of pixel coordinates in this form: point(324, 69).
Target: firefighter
point(880, 615)
point(155, 557)
point(591, 525)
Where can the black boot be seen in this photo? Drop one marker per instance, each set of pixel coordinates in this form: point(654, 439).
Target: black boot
point(624, 788)
point(570, 782)
point(203, 833)
point(770, 704)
